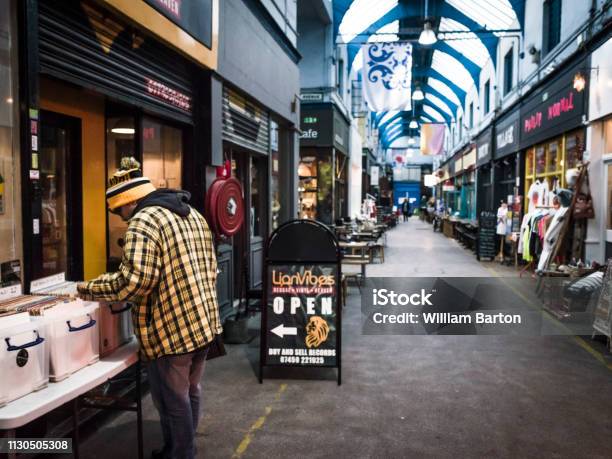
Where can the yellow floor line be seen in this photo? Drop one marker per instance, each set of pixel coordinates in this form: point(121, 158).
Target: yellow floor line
point(258, 424)
point(577, 339)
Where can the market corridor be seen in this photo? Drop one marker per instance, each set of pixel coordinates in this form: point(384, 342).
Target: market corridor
point(401, 396)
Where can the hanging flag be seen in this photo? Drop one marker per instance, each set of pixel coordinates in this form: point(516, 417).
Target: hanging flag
point(432, 138)
point(386, 75)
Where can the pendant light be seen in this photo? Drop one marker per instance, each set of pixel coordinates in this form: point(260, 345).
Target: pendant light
point(418, 94)
point(428, 36)
point(413, 124)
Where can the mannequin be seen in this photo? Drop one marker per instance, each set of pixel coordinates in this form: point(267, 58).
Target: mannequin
point(502, 224)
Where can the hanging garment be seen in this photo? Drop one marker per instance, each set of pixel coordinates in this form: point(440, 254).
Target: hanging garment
point(524, 224)
point(502, 217)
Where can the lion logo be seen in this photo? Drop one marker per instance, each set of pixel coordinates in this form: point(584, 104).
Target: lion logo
point(317, 331)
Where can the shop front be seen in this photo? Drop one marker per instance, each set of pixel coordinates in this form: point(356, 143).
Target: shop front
point(248, 139)
point(484, 171)
point(11, 260)
point(506, 169)
point(467, 181)
point(324, 161)
point(552, 134)
point(599, 231)
point(102, 87)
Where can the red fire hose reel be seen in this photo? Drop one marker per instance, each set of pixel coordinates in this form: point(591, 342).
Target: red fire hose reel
point(225, 206)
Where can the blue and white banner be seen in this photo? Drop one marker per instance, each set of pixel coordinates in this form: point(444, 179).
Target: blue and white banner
point(386, 75)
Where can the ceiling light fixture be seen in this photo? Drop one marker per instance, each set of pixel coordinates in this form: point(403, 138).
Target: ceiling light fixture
point(428, 36)
point(123, 126)
point(413, 124)
point(418, 94)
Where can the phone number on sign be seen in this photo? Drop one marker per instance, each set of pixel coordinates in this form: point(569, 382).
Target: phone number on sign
point(303, 360)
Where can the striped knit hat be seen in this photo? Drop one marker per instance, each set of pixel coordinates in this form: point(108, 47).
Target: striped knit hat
point(127, 184)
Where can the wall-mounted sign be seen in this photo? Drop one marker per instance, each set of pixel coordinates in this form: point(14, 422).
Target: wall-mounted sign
point(312, 97)
point(507, 134)
point(317, 126)
point(374, 175)
point(484, 147)
point(553, 109)
point(194, 17)
point(169, 95)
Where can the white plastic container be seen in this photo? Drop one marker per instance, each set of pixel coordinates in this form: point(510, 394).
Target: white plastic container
point(73, 337)
point(24, 360)
point(115, 323)
point(116, 327)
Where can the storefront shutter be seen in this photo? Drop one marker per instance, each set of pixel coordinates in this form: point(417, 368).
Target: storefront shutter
point(84, 44)
point(245, 123)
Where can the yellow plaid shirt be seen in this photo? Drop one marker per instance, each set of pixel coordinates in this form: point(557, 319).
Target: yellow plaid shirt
point(169, 271)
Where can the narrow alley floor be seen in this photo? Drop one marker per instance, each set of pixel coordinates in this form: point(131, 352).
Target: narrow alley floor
point(402, 396)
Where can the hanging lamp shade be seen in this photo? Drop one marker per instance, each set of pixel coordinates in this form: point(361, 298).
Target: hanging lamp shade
point(428, 36)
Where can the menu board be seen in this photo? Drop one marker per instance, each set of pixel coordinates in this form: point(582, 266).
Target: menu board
point(301, 326)
point(487, 247)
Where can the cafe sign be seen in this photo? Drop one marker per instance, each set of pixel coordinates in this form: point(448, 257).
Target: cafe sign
point(553, 109)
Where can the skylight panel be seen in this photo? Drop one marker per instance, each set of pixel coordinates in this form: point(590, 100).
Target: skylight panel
point(433, 114)
point(444, 90)
point(452, 69)
point(440, 104)
point(466, 43)
point(361, 15)
point(490, 14)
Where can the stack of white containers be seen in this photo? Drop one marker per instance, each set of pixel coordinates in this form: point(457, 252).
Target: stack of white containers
point(73, 337)
point(115, 321)
point(24, 360)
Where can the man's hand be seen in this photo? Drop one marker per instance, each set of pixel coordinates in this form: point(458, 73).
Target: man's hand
point(84, 292)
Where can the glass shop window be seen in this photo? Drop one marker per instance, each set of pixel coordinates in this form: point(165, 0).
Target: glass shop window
point(162, 150)
point(307, 173)
point(554, 156)
point(540, 159)
point(275, 175)
point(120, 143)
point(258, 196)
point(10, 202)
point(574, 146)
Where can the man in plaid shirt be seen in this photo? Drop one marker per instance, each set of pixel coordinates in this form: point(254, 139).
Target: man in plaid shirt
point(168, 270)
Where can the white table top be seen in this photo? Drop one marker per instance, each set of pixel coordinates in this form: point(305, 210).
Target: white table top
point(32, 406)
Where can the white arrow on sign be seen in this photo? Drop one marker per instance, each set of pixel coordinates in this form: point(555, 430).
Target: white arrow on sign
point(281, 330)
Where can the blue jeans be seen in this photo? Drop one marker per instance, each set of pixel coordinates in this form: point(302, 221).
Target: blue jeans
point(175, 389)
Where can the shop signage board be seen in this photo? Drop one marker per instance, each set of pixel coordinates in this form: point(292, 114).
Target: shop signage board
point(507, 132)
point(484, 147)
point(555, 108)
point(301, 320)
point(317, 126)
point(487, 237)
point(195, 18)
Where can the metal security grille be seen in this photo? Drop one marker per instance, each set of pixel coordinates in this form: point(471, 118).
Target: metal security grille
point(245, 123)
point(83, 44)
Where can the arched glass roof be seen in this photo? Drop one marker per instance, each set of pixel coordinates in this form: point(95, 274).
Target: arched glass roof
point(433, 114)
point(466, 43)
point(361, 15)
point(443, 89)
point(490, 14)
point(451, 68)
point(440, 104)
